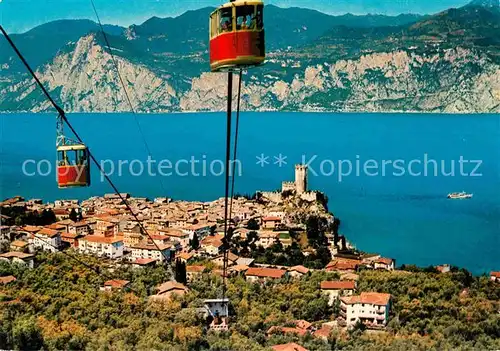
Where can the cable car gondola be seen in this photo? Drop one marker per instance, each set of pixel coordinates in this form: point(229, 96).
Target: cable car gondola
point(237, 35)
point(73, 166)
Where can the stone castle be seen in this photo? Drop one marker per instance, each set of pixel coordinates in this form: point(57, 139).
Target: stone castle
point(300, 184)
point(297, 188)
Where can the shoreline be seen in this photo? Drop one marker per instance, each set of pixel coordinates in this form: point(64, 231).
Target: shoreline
point(261, 111)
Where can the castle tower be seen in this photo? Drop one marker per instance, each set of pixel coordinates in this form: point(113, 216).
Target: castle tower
point(301, 179)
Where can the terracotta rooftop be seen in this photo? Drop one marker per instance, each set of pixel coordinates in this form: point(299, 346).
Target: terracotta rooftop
point(47, 232)
point(289, 347)
point(338, 285)
point(303, 324)
point(151, 246)
point(271, 219)
point(143, 261)
point(265, 272)
point(66, 235)
point(20, 255)
point(56, 226)
point(300, 269)
point(19, 243)
point(342, 265)
point(384, 260)
point(174, 233)
point(7, 279)
point(65, 222)
point(185, 256)
point(324, 332)
point(495, 274)
point(169, 286)
point(116, 283)
point(31, 228)
point(373, 298)
point(209, 239)
point(195, 269)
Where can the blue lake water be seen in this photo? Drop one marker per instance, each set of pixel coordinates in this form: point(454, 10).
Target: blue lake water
point(404, 216)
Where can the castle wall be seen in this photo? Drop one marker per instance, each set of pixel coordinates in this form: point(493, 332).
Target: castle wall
point(287, 186)
point(310, 196)
point(273, 196)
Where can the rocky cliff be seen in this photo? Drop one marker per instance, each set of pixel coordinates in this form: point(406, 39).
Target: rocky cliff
point(451, 80)
point(444, 63)
point(84, 79)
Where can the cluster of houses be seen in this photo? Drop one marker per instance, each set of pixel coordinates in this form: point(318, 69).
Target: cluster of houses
point(106, 229)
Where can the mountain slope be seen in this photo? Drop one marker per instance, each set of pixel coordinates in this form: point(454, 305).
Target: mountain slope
point(82, 78)
point(41, 44)
point(451, 80)
point(297, 26)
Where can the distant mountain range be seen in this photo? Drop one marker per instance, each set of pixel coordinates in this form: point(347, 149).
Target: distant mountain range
point(449, 62)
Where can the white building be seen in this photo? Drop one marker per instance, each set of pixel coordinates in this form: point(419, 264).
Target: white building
point(370, 308)
point(47, 240)
point(4, 234)
point(218, 309)
point(158, 252)
point(384, 263)
point(334, 289)
point(110, 247)
point(201, 231)
point(80, 228)
point(176, 235)
point(267, 238)
point(18, 258)
point(260, 274)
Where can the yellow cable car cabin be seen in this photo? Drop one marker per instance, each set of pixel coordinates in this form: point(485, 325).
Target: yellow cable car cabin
point(73, 167)
point(237, 35)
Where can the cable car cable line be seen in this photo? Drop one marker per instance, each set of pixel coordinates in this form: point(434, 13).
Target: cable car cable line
point(62, 114)
point(122, 82)
point(228, 236)
point(235, 152)
point(226, 198)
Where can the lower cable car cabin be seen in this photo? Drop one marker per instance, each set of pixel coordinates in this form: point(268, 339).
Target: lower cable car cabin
point(237, 35)
point(73, 166)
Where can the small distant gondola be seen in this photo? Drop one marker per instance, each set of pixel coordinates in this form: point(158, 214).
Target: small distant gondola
point(73, 159)
point(237, 36)
point(73, 167)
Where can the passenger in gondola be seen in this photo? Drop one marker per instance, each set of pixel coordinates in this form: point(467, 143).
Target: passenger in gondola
point(64, 161)
point(253, 22)
point(244, 23)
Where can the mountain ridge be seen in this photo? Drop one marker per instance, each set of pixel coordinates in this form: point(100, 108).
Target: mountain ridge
point(356, 67)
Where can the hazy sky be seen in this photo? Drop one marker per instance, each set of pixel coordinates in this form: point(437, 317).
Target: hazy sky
point(21, 15)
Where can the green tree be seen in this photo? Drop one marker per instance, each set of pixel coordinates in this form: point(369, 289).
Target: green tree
point(253, 224)
point(195, 243)
point(26, 334)
point(180, 272)
point(73, 215)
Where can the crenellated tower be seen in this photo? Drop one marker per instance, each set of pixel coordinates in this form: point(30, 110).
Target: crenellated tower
point(300, 179)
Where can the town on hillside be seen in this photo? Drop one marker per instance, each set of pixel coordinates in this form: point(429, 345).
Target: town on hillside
point(274, 236)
